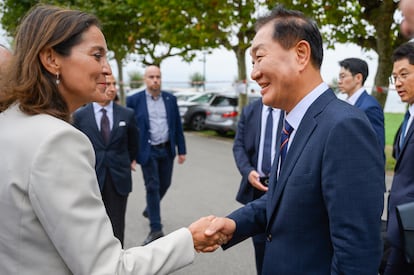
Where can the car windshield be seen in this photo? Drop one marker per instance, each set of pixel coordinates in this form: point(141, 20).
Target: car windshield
point(203, 98)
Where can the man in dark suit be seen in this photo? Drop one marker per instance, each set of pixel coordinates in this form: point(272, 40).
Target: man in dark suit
point(161, 133)
point(402, 189)
point(322, 212)
point(115, 151)
point(352, 76)
point(254, 156)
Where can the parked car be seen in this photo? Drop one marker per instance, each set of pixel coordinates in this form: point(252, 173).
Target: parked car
point(222, 115)
point(193, 111)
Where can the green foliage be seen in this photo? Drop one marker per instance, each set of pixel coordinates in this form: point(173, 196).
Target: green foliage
point(135, 79)
point(197, 80)
point(392, 122)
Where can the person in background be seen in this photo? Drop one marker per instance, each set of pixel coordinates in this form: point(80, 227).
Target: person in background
point(114, 135)
point(5, 56)
point(352, 76)
point(407, 24)
point(160, 135)
point(254, 150)
point(402, 188)
point(322, 212)
point(53, 217)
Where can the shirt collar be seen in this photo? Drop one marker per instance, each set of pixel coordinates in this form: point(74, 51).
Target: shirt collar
point(295, 116)
point(353, 98)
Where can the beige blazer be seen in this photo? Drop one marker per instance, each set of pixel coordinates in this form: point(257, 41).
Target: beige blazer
point(52, 217)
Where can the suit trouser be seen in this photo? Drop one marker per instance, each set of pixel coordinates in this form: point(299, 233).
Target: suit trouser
point(157, 174)
point(115, 205)
point(396, 264)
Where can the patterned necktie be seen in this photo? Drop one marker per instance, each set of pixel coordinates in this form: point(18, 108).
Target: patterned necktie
point(404, 128)
point(267, 145)
point(105, 131)
point(284, 140)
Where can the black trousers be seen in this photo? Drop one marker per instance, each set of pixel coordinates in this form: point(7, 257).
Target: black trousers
point(115, 205)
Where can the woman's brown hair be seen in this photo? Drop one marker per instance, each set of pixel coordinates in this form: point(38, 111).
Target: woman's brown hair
point(26, 81)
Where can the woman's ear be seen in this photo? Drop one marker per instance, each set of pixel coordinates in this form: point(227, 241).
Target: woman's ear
point(50, 61)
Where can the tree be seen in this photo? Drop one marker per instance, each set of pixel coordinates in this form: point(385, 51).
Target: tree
point(369, 24)
point(197, 80)
point(135, 80)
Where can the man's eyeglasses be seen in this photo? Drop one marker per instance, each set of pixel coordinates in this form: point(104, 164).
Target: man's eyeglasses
point(399, 77)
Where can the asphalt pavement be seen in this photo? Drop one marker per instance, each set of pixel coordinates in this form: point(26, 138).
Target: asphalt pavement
point(205, 184)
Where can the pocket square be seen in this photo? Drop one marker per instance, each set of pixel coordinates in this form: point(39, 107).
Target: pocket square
point(122, 123)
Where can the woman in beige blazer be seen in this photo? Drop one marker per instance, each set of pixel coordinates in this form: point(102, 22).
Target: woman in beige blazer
point(52, 217)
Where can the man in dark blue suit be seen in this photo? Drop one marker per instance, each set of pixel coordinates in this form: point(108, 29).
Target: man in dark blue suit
point(402, 188)
point(160, 135)
point(352, 76)
point(322, 212)
point(115, 152)
point(250, 151)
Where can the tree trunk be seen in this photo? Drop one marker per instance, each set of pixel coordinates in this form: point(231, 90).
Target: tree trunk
point(240, 53)
point(120, 81)
point(382, 19)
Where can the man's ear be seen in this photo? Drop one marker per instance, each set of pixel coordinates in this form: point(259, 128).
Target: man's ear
point(50, 60)
point(303, 53)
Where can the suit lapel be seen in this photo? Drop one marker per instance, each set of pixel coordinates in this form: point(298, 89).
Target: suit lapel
point(116, 119)
point(257, 119)
point(408, 137)
point(302, 135)
point(361, 98)
point(92, 122)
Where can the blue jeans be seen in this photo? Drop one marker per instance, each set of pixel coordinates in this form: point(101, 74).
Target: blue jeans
point(157, 174)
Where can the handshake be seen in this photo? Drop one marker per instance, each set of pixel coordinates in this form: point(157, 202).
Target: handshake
point(209, 233)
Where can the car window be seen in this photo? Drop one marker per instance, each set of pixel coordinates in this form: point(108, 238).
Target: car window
point(224, 101)
point(202, 98)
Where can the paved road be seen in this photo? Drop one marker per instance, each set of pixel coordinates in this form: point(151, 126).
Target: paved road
point(205, 184)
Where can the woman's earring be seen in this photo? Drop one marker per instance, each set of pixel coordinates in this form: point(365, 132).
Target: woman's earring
point(57, 79)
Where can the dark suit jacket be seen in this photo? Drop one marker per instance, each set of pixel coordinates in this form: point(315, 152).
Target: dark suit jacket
point(402, 189)
point(246, 148)
point(138, 103)
point(117, 155)
point(323, 214)
point(375, 114)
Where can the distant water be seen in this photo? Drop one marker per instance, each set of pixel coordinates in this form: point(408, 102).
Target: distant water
point(392, 105)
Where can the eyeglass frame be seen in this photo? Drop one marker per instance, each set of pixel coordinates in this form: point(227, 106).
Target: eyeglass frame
point(402, 77)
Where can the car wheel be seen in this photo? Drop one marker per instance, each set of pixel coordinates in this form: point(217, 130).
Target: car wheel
point(197, 122)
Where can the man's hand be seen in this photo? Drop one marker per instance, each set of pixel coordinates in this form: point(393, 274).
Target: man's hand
point(181, 159)
point(255, 182)
point(208, 242)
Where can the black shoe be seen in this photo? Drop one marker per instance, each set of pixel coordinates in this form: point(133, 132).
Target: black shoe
point(145, 213)
point(152, 236)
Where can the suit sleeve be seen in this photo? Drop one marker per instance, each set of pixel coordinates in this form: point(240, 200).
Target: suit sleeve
point(239, 147)
point(64, 194)
point(376, 117)
point(181, 147)
point(133, 136)
point(352, 179)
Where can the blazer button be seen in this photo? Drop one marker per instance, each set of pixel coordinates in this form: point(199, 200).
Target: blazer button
point(269, 238)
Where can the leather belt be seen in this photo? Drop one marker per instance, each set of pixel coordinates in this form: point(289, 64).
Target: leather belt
point(161, 145)
point(264, 180)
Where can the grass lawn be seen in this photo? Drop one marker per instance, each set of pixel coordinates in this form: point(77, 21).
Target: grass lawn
point(392, 122)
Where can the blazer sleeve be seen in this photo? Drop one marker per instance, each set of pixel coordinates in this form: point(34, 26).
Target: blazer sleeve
point(240, 153)
point(181, 147)
point(133, 136)
point(65, 197)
